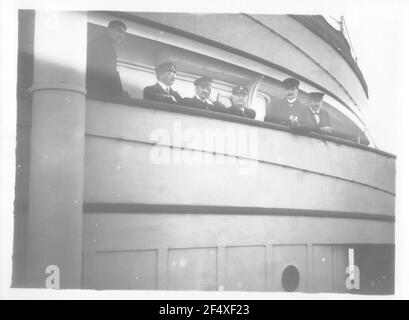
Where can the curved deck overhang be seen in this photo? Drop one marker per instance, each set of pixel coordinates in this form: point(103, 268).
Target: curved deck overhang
point(278, 42)
point(274, 172)
point(335, 38)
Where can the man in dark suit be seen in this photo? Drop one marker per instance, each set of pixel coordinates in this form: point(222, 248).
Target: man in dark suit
point(320, 119)
point(102, 77)
point(238, 103)
point(289, 111)
point(162, 91)
point(201, 100)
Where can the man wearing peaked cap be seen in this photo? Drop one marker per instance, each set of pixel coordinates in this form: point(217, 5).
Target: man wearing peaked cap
point(289, 111)
point(102, 77)
point(239, 91)
point(316, 96)
point(203, 81)
point(320, 120)
point(290, 83)
point(166, 66)
point(201, 100)
point(239, 103)
point(162, 91)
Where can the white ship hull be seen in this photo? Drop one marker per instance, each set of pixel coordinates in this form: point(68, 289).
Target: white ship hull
point(115, 204)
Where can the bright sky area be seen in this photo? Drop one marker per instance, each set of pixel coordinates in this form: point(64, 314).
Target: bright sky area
point(379, 38)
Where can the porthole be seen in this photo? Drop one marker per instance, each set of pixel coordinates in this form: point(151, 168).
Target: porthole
point(290, 278)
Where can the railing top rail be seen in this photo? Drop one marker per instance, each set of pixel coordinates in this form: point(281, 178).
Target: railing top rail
point(231, 118)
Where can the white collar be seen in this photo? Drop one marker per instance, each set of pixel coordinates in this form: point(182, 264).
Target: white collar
point(291, 101)
point(314, 112)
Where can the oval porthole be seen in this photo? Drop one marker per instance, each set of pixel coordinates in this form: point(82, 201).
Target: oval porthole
point(290, 278)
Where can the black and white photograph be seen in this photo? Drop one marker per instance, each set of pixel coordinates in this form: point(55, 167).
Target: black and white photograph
point(228, 150)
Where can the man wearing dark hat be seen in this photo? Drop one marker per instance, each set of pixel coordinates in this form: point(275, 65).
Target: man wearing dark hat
point(288, 111)
point(201, 100)
point(162, 91)
point(102, 76)
point(238, 103)
point(320, 119)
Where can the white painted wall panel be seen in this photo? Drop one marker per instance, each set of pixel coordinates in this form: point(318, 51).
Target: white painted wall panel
point(273, 146)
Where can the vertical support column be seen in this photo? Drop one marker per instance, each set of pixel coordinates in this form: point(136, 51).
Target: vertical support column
point(57, 149)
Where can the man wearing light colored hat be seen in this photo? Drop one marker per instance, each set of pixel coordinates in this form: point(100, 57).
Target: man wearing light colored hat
point(319, 118)
point(201, 100)
point(239, 103)
point(162, 91)
point(288, 111)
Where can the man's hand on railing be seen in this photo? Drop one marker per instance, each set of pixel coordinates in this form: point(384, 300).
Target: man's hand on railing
point(326, 130)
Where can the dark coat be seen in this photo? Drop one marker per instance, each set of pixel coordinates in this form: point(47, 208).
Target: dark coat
point(199, 104)
point(324, 120)
point(247, 113)
point(280, 111)
point(157, 93)
point(102, 76)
